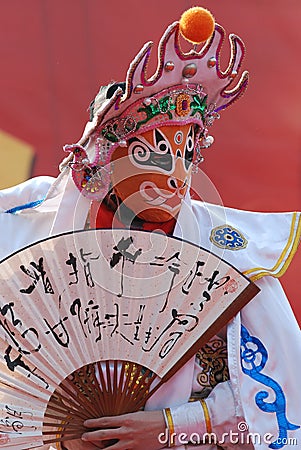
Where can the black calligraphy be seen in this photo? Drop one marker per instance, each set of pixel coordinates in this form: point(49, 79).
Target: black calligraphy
point(15, 421)
point(211, 282)
point(123, 254)
point(88, 317)
point(72, 261)
point(59, 331)
point(86, 259)
point(38, 273)
point(27, 335)
point(177, 326)
point(25, 341)
point(173, 267)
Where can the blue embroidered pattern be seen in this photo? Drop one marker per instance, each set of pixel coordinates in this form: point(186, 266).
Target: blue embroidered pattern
point(253, 359)
point(25, 206)
point(225, 236)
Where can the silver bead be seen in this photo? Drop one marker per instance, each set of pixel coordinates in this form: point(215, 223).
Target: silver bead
point(100, 140)
point(209, 140)
point(138, 89)
point(122, 143)
point(206, 142)
point(147, 101)
point(190, 70)
point(211, 62)
point(233, 74)
point(169, 66)
point(185, 80)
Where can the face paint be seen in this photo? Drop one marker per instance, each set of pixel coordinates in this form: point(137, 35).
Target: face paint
point(151, 176)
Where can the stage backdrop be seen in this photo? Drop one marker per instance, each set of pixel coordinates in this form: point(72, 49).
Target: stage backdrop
point(55, 53)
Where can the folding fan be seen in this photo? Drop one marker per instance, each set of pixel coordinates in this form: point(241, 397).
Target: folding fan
point(93, 322)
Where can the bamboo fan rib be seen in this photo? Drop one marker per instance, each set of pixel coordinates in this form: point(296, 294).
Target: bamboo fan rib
point(99, 389)
point(93, 322)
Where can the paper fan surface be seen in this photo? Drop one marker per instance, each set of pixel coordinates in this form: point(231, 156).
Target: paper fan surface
point(92, 322)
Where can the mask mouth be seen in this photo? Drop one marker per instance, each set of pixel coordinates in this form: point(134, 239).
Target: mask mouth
point(154, 196)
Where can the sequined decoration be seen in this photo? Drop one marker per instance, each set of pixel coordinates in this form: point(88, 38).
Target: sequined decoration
point(118, 128)
point(91, 178)
point(199, 105)
point(183, 105)
point(228, 237)
point(175, 106)
point(162, 106)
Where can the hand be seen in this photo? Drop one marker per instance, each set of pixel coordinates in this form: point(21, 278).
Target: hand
point(132, 431)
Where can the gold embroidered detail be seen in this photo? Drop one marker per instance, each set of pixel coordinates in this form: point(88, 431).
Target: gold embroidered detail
point(183, 105)
point(206, 416)
point(170, 426)
point(212, 358)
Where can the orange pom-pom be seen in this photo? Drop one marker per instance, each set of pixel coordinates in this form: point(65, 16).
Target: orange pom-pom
point(197, 25)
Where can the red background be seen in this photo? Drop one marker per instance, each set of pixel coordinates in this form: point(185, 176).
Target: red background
point(56, 53)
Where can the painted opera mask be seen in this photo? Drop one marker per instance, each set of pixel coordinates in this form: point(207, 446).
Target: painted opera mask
point(152, 174)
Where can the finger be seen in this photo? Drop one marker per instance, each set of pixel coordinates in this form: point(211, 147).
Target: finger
point(100, 435)
point(106, 422)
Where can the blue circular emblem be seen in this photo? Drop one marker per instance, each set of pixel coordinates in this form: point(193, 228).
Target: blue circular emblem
point(228, 237)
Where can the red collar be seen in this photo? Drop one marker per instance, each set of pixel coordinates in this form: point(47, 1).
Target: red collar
point(102, 217)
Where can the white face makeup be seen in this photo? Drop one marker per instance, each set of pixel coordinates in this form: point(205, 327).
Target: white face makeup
point(162, 155)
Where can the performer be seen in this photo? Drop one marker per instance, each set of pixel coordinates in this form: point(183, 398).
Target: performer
point(132, 168)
